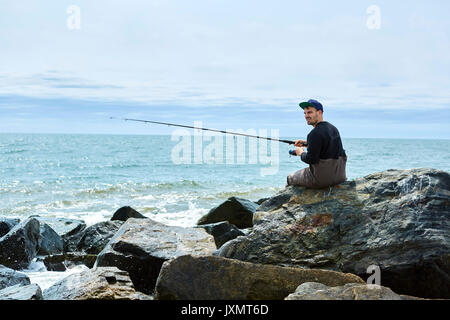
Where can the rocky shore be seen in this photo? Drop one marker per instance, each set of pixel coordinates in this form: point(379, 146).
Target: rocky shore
point(383, 236)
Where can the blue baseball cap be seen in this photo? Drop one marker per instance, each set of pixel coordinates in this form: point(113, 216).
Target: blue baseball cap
point(311, 103)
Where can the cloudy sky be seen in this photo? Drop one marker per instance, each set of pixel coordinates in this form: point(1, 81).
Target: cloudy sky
point(380, 68)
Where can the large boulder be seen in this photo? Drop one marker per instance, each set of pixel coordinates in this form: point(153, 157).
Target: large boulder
point(236, 211)
point(124, 213)
point(141, 246)
point(10, 277)
point(216, 278)
point(20, 292)
point(7, 224)
point(349, 291)
point(96, 237)
point(99, 283)
point(20, 245)
point(398, 220)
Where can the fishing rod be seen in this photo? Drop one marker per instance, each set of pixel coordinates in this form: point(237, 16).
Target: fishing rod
point(291, 152)
point(206, 129)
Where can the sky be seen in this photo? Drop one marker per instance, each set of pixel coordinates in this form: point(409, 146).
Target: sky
point(380, 68)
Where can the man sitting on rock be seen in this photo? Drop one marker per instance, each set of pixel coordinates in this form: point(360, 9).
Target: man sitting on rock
point(325, 156)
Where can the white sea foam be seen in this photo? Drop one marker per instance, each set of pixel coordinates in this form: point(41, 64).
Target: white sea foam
point(37, 272)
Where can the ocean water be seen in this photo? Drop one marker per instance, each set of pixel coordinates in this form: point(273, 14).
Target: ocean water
point(171, 180)
point(88, 177)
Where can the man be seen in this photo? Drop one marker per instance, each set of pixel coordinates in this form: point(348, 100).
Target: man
point(325, 156)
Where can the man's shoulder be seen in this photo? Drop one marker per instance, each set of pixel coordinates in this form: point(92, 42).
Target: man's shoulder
point(326, 125)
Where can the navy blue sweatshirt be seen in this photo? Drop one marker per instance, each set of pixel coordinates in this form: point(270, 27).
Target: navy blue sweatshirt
point(324, 142)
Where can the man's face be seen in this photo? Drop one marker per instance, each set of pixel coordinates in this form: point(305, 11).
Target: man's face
point(311, 115)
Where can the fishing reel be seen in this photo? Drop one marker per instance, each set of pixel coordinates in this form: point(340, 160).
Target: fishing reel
point(293, 153)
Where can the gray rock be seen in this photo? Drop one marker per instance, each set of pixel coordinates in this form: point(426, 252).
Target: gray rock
point(142, 245)
point(51, 242)
point(95, 237)
point(7, 224)
point(10, 277)
point(62, 226)
point(19, 292)
point(216, 278)
point(68, 229)
point(62, 262)
point(20, 245)
point(99, 284)
point(124, 213)
point(236, 211)
point(222, 232)
point(398, 220)
point(349, 291)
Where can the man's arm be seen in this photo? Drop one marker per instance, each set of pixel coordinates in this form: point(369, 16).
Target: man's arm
point(314, 148)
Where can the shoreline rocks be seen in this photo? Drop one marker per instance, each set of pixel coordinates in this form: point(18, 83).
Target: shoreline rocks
point(300, 244)
point(20, 245)
point(10, 277)
point(217, 278)
point(141, 246)
point(235, 210)
point(99, 283)
point(350, 291)
point(21, 292)
point(222, 232)
point(397, 220)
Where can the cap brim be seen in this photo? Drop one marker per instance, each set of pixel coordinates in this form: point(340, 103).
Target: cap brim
point(304, 105)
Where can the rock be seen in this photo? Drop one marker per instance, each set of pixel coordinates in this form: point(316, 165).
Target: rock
point(216, 278)
point(260, 201)
point(222, 232)
point(7, 224)
point(68, 229)
point(51, 242)
point(397, 220)
point(124, 213)
point(62, 226)
point(61, 262)
point(236, 211)
point(95, 237)
point(349, 291)
point(20, 245)
point(10, 277)
point(19, 292)
point(99, 283)
point(142, 245)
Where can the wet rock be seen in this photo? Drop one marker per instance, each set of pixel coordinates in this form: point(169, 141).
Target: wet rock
point(397, 220)
point(222, 232)
point(216, 278)
point(124, 213)
point(236, 211)
point(7, 224)
point(95, 237)
point(20, 245)
point(20, 292)
point(61, 262)
point(51, 242)
point(62, 226)
point(141, 246)
point(10, 277)
point(99, 284)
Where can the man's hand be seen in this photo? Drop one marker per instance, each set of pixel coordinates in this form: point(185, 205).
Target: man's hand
point(299, 150)
point(300, 143)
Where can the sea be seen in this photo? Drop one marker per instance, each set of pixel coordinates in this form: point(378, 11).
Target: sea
point(171, 179)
